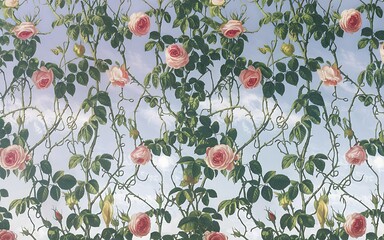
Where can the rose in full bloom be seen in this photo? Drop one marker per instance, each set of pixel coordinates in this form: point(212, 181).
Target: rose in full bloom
point(382, 51)
point(176, 56)
point(330, 75)
point(220, 157)
point(356, 155)
point(139, 23)
point(118, 76)
point(141, 155)
point(42, 78)
point(25, 30)
point(7, 235)
point(355, 225)
point(250, 77)
point(13, 157)
point(214, 236)
point(350, 20)
point(218, 2)
point(140, 224)
point(11, 3)
point(232, 29)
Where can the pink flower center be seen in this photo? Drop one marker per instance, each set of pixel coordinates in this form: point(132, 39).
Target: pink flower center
point(142, 24)
point(174, 53)
point(252, 81)
point(44, 82)
point(232, 32)
point(10, 158)
point(25, 34)
point(353, 21)
point(218, 157)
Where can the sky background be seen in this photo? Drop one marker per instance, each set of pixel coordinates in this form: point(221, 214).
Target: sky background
point(140, 63)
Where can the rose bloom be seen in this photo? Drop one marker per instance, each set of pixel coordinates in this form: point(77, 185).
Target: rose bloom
point(42, 78)
point(218, 2)
point(118, 76)
point(220, 157)
point(140, 224)
point(13, 157)
point(141, 155)
point(214, 236)
point(232, 29)
point(350, 20)
point(382, 52)
point(355, 225)
point(139, 23)
point(330, 75)
point(250, 77)
point(356, 155)
point(7, 235)
point(176, 56)
point(25, 30)
point(11, 3)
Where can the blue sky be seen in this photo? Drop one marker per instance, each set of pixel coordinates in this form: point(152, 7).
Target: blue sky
point(141, 62)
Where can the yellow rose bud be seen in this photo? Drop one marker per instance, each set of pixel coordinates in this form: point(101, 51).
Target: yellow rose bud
point(322, 212)
point(134, 133)
point(348, 133)
point(288, 49)
point(107, 212)
point(79, 50)
point(70, 200)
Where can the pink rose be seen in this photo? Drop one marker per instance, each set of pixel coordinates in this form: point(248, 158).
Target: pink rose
point(218, 2)
point(232, 29)
point(11, 3)
point(220, 157)
point(250, 77)
point(140, 224)
point(13, 157)
point(139, 23)
point(214, 236)
point(25, 30)
point(42, 78)
point(176, 56)
point(356, 155)
point(141, 155)
point(118, 76)
point(350, 20)
point(355, 225)
point(330, 75)
point(7, 235)
point(382, 52)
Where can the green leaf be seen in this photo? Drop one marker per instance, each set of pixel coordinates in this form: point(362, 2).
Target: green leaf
point(316, 98)
point(92, 220)
point(94, 73)
point(67, 182)
point(83, 65)
point(279, 182)
point(75, 160)
point(362, 43)
point(305, 73)
point(149, 45)
point(281, 31)
point(293, 64)
point(104, 99)
point(72, 67)
point(255, 167)
point(266, 193)
point(46, 167)
point(55, 193)
point(60, 89)
point(306, 187)
point(82, 78)
point(92, 186)
point(281, 66)
point(292, 78)
point(268, 89)
point(42, 194)
point(288, 160)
